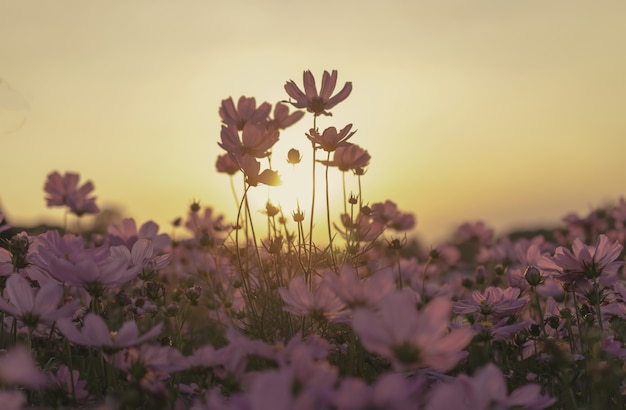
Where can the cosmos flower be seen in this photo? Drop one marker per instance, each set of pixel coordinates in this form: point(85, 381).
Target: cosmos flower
point(493, 302)
point(319, 303)
point(354, 291)
point(314, 102)
point(252, 170)
point(95, 332)
point(63, 190)
point(388, 213)
point(412, 339)
point(149, 365)
point(584, 262)
point(349, 157)
point(18, 368)
point(330, 139)
point(245, 112)
point(282, 118)
point(256, 140)
point(126, 233)
point(226, 164)
point(486, 390)
point(34, 306)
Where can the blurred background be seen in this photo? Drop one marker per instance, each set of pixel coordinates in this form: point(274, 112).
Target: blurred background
point(511, 112)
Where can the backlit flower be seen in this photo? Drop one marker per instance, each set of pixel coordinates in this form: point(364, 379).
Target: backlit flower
point(246, 112)
point(412, 339)
point(64, 191)
point(349, 157)
point(252, 170)
point(330, 139)
point(322, 302)
point(282, 118)
point(311, 100)
point(256, 140)
point(493, 302)
point(225, 164)
point(584, 262)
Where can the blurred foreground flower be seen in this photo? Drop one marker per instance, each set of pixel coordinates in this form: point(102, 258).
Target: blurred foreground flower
point(487, 390)
point(412, 339)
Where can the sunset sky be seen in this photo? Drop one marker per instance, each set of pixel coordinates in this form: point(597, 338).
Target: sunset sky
point(511, 112)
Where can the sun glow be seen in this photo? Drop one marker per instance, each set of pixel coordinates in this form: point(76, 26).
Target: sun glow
point(295, 191)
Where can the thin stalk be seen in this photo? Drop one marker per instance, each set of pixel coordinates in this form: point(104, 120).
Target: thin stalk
point(310, 262)
point(330, 235)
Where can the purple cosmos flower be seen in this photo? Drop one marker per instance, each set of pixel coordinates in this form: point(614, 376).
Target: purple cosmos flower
point(18, 368)
point(95, 332)
point(246, 112)
point(412, 339)
point(585, 262)
point(319, 303)
point(34, 306)
point(330, 139)
point(486, 390)
point(314, 102)
point(63, 190)
point(493, 302)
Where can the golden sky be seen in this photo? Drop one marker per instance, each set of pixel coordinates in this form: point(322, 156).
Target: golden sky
point(507, 111)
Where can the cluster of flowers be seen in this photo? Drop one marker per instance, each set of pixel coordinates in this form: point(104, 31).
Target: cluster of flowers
point(134, 318)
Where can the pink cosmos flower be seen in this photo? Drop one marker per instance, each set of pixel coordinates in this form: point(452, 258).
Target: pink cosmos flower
point(226, 164)
point(363, 229)
point(126, 233)
point(252, 170)
point(486, 390)
point(149, 365)
point(493, 302)
point(67, 261)
point(34, 306)
point(349, 157)
point(390, 391)
point(282, 118)
point(355, 292)
point(389, 214)
point(18, 368)
point(64, 379)
point(95, 332)
point(412, 339)
point(585, 262)
point(320, 303)
point(64, 191)
point(313, 380)
point(256, 140)
point(246, 112)
point(330, 139)
point(310, 99)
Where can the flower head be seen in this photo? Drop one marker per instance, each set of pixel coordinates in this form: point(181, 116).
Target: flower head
point(584, 262)
point(314, 102)
point(349, 157)
point(95, 332)
point(64, 191)
point(35, 306)
point(245, 112)
point(412, 339)
point(330, 139)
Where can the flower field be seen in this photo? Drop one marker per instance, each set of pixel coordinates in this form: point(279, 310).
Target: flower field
point(256, 313)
